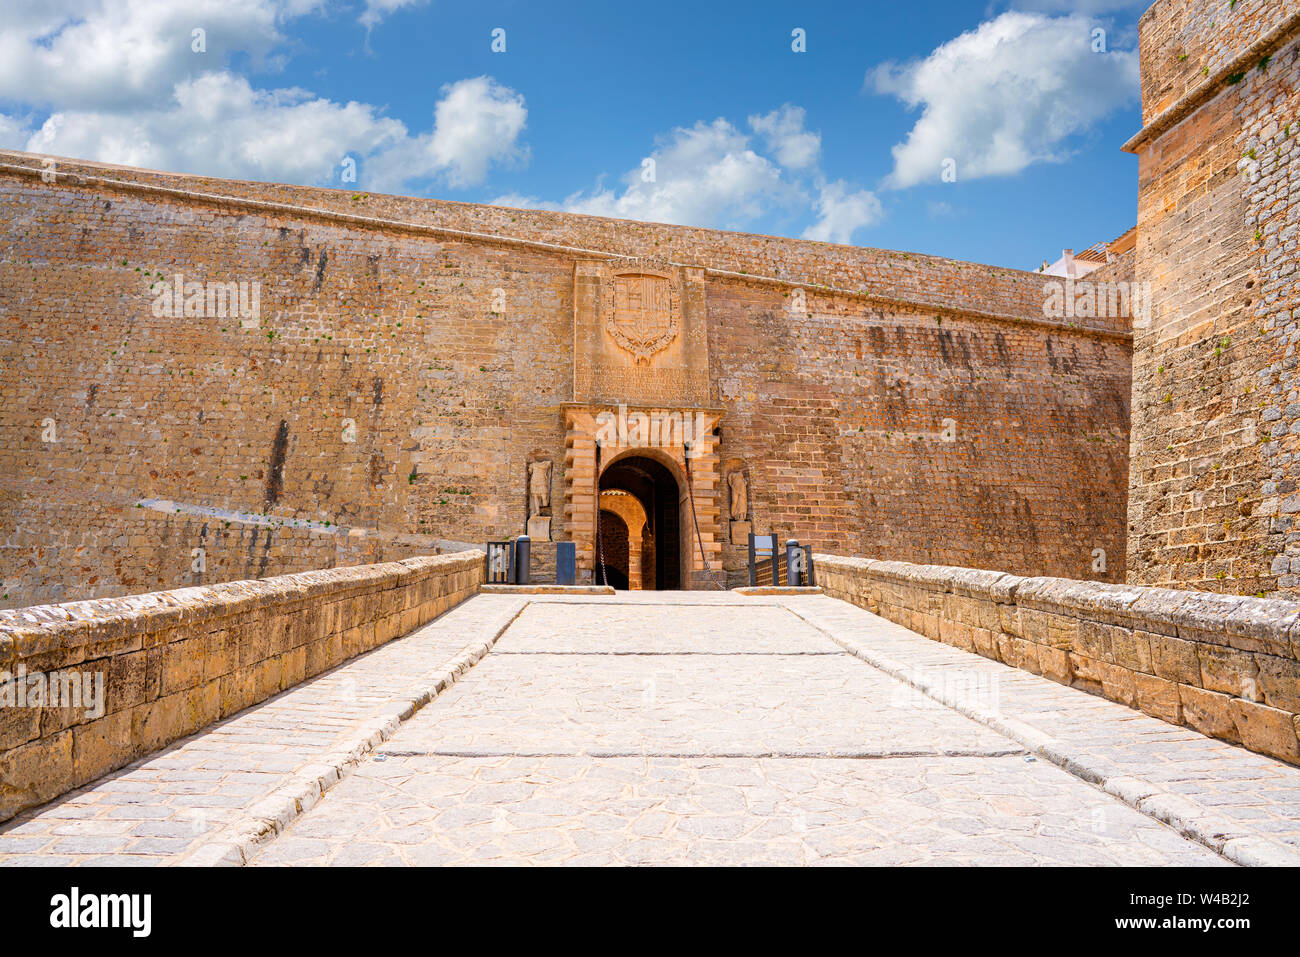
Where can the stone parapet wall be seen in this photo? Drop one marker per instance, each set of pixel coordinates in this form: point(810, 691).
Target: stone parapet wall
point(174, 662)
point(1221, 664)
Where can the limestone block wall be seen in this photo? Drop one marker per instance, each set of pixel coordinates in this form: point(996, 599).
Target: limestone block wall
point(928, 435)
point(399, 382)
point(1183, 42)
point(1224, 665)
point(173, 662)
point(1216, 401)
point(379, 392)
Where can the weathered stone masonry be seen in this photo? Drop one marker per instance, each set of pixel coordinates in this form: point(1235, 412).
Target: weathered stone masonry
point(174, 662)
point(1216, 406)
point(443, 336)
point(1226, 665)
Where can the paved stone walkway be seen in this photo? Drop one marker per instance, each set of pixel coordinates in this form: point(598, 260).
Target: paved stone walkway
point(170, 804)
point(1227, 792)
point(730, 731)
point(678, 728)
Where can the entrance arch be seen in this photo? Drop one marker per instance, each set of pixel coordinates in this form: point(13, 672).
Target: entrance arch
point(657, 495)
point(599, 440)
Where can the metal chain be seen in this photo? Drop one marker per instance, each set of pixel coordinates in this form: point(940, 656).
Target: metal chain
point(690, 491)
point(600, 541)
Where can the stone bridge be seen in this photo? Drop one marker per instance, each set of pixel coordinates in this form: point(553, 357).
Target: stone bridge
point(588, 728)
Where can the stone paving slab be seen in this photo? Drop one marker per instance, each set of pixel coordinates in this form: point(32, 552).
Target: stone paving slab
point(626, 628)
point(700, 755)
point(659, 598)
point(179, 800)
point(683, 704)
point(1241, 803)
point(578, 811)
point(678, 680)
point(569, 590)
point(676, 728)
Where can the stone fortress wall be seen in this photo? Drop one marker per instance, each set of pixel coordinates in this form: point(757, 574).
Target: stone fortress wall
point(147, 670)
point(921, 410)
point(412, 356)
point(1227, 666)
point(1216, 416)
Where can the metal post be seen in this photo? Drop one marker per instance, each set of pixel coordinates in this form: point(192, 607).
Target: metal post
point(753, 569)
point(792, 556)
point(523, 560)
point(598, 558)
point(566, 563)
point(776, 560)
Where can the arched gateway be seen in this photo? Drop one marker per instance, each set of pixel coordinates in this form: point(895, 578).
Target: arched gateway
point(641, 510)
point(640, 471)
point(668, 494)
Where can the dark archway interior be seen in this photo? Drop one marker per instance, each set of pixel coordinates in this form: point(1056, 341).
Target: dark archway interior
point(613, 565)
point(658, 493)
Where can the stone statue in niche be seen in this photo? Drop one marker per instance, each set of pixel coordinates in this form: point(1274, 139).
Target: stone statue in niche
point(739, 496)
point(539, 499)
point(539, 487)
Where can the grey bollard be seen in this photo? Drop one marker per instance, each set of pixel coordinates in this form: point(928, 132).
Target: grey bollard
point(523, 561)
point(793, 571)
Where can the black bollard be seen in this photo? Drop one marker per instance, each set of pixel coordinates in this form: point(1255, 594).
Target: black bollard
point(566, 563)
point(523, 561)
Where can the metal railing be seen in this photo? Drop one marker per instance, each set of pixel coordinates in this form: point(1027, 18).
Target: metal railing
point(765, 564)
point(500, 563)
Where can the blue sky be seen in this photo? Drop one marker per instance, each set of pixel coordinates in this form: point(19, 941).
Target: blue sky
point(683, 112)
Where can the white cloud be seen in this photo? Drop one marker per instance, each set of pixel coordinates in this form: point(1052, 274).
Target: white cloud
point(524, 201)
point(14, 133)
point(709, 174)
point(782, 131)
point(121, 83)
point(841, 210)
point(119, 54)
point(713, 174)
point(377, 10)
point(219, 125)
point(477, 122)
point(1004, 96)
point(703, 175)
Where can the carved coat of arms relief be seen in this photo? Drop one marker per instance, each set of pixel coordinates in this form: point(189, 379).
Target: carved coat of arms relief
point(642, 309)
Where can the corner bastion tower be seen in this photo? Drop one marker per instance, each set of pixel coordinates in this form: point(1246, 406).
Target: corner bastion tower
point(1213, 485)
